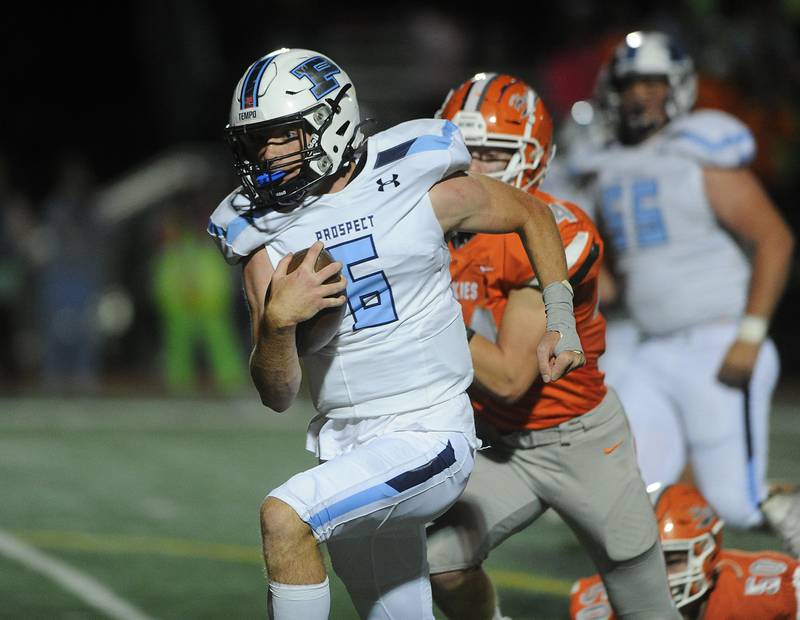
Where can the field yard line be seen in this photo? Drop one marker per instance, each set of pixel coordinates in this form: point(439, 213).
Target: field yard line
point(81, 585)
point(142, 545)
point(187, 548)
point(529, 582)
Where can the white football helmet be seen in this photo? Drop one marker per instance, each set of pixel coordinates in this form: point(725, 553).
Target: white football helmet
point(647, 54)
point(292, 89)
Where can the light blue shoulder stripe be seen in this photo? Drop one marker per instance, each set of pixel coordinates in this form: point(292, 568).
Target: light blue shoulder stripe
point(427, 142)
point(430, 142)
point(214, 230)
point(235, 228)
point(711, 145)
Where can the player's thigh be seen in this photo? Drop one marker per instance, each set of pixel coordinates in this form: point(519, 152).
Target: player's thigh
point(711, 411)
point(401, 479)
point(728, 441)
point(385, 573)
point(593, 482)
point(622, 340)
point(654, 420)
point(495, 504)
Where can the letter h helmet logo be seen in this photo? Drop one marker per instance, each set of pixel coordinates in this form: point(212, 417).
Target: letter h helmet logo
point(320, 72)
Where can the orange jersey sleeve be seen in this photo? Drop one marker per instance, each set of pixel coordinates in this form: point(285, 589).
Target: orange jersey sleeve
point(763, 585)
point(583, 247)
point(588, 600)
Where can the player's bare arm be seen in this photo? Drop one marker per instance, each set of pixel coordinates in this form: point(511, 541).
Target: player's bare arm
point(278, 302)
point(477, 203)
point(743, 207)
point(506, 369)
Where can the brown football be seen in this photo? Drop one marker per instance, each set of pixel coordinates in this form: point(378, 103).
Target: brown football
point(314, 333)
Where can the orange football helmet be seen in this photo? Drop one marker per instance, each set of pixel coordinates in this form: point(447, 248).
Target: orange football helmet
point(687, 524)
point(497, 110)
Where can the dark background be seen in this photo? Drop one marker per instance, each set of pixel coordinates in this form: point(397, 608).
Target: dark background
point(113, 89)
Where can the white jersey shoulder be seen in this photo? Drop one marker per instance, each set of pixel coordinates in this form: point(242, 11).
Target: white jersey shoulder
point(232, 228)
point(711, 138)
point(439, 140)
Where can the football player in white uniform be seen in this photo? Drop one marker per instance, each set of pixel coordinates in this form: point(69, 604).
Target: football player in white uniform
point(704, 257)
point(394, 430)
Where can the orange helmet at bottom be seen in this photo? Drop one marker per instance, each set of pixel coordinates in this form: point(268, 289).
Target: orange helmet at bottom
point(497, 110)
point(687, 524)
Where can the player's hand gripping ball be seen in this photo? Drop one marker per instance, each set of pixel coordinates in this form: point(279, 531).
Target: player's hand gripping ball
point(316, 332)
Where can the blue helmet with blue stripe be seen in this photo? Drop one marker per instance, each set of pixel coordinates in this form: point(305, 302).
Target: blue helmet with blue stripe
point(299, 91)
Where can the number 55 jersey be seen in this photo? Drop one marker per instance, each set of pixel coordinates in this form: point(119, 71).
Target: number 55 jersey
point(402, 346)
point(681, 267)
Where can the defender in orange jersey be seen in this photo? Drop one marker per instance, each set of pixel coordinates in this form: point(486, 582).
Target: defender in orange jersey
point(707, 581)
point(487, 271)
point(564, 445)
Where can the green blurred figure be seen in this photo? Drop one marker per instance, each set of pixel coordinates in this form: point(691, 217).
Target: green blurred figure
point(193, 293)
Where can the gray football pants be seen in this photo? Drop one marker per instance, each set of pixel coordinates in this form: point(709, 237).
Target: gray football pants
point(586, 470)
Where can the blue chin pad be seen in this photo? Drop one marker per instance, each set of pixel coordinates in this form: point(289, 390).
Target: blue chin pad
point(268, 178)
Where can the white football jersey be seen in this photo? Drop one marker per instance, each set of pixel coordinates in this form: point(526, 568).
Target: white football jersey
point(681, 267)
point(402, 346)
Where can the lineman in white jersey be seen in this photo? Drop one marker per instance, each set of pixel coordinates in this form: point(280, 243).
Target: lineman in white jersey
point(704, 256)
point(394, 431)
point(575, 140)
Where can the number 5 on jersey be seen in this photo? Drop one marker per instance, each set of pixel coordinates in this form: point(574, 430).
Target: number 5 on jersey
point(368, 296)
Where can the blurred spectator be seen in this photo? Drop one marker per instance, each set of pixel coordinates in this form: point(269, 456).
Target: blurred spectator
point(193, 292)
point(70, 279)
point(16, 231)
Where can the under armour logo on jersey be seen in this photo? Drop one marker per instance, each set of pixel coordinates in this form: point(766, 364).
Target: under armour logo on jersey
point(383, 183)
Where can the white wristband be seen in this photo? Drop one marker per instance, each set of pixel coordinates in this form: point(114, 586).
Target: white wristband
point(752, 329)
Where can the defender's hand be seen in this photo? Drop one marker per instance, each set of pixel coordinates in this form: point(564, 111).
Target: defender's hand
point(295, 297)
point(738, 365)
point(552, 366)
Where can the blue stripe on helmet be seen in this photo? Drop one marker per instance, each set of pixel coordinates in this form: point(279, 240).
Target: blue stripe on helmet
point(257, 85)
point(251, 86)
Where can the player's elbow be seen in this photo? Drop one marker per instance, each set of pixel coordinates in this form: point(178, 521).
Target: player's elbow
point(780, 244)
point(276, 397)
point(278, 405)
point(512, 388)
point(790, 241)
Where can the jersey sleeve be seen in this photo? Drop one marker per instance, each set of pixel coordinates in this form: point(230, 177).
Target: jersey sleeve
point(712, 138)
point(232, 226)
point(583, 247)
point(433, 148)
